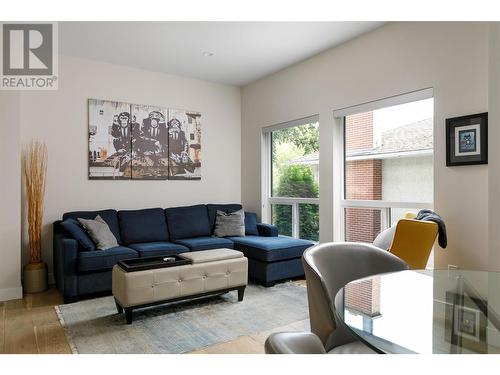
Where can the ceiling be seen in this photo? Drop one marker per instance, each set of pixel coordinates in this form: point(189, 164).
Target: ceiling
point(242, 51)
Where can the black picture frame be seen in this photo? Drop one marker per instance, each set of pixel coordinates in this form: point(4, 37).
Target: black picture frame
point(467, 140)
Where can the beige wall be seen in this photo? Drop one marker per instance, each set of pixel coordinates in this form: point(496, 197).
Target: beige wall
point(10, 198)
point(494, 152)
point(394, 59)
point(60, 119)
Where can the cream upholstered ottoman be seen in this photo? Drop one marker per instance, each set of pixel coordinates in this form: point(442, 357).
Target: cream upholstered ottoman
point(209, 272)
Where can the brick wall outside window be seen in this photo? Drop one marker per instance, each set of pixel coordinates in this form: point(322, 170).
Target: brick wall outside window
point(363, 179)
point(359, 131)
point(363, 297)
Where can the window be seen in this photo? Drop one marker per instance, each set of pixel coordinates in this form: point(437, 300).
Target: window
point(388, 165)
point(292, 178)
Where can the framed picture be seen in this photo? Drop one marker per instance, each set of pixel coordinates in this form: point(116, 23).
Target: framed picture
point(467, 140)
point(465, 322)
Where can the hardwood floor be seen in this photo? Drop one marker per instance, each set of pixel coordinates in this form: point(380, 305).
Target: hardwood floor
point(30, 326)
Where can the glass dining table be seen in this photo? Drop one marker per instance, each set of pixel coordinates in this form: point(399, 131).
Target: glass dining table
point(425, 312)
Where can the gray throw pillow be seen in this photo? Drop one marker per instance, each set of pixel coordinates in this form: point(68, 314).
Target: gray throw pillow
point(230, 224)
point(100, 233)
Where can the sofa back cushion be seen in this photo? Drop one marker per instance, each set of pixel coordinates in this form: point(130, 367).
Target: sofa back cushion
point(147, 225)
point(75, 230)
point(251, 224)
point(226, 208)
point(187, 222)
point(109, 216)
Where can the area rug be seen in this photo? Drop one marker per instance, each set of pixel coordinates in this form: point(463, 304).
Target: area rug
point(93, 326)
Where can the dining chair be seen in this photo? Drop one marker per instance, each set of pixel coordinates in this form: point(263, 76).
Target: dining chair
point(328, 268)
point(411, 240)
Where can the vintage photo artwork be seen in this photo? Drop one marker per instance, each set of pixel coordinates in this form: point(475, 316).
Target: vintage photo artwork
point(149, 143)
point(467, 140)
point(143, 142)
point(184, 144)
point(110, 138)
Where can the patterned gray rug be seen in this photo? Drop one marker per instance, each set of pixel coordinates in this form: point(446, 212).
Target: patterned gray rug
point(93, 326)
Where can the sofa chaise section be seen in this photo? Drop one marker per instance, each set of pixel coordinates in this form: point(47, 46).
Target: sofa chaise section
point(272, 258)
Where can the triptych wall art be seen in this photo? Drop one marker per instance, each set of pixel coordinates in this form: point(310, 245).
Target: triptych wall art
point(143, 142)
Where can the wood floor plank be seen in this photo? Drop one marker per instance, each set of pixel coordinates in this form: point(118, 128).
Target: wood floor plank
point(261, 337)
point(44, 315)
point(2, 327)
point(19, 332)
point(16, 304)
point(51, 339)
point(242, 345)
point(50, 297)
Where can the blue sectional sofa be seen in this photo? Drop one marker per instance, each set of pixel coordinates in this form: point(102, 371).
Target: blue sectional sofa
point(81, 270)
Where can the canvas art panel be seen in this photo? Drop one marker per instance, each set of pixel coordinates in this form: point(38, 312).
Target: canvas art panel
point(110, 138)
point(143, 142)
point(184, 142)
point(149, 143)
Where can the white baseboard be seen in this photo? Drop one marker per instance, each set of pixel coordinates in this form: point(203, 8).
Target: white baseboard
point(11, 293)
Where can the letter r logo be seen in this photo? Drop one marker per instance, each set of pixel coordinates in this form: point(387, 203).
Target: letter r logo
point(27, 49)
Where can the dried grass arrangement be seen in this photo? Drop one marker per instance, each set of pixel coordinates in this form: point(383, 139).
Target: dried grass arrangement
point(34, 164)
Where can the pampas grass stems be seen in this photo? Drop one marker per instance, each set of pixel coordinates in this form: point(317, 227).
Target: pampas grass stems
point(34, 163)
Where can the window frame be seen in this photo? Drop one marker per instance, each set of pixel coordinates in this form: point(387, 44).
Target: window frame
point(267, 198)
point(384, 206)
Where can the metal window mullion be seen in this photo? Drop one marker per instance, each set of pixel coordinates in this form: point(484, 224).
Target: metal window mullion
point(289, 200)
point(385, 218)
point(378, 204)
point(295, 220)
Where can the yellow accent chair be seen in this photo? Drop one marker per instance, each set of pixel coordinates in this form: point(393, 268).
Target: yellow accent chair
point(412, 240)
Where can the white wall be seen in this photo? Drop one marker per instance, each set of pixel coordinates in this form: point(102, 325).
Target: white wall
point(60, 119)
point(396, 58)
point(10, 198)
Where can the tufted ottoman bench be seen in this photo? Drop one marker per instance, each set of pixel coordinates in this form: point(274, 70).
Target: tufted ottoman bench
point(208, 272)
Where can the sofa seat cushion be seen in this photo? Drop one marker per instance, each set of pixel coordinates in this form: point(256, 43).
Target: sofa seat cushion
point(187, 222)
point(138, 226)
point(109, 216)
point(270, 249)
point(102, 260)
point(206, 243)
point(157, 249)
